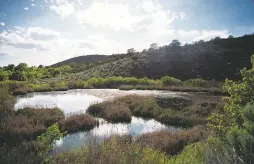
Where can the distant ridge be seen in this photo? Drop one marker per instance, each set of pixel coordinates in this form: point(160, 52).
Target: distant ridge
point(218, 59)
point(81, 60)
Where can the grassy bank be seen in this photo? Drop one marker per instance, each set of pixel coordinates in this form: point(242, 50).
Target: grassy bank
point(178, 111)
point(124, 83)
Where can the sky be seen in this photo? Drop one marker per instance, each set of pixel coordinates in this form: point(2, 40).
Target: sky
point(48, 31)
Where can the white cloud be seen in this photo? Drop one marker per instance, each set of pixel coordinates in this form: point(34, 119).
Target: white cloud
point(38, 33)
point(115, 16)
point(4, 54)
point(26, 8)
point(2, 24)
point(148, 6)
point(102, 27)
point(64, 10)
point(206, 35)
point(30, 38)
point(33, 5)
point(28, 43)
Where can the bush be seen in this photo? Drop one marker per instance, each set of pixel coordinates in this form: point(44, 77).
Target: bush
point(22, 91)
point(174, 102)
point(181, 120)
point(12, 85)
point(27, 123)
point(111, 111)
point(115, 150)
point(196, 83)
point(172, 143)
point(7, 102)
point(76, 84)
point(141, 106)
point(192, 153)
point(166, 80)
point(78, 122)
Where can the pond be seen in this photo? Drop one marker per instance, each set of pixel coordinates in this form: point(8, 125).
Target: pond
point(77, 101)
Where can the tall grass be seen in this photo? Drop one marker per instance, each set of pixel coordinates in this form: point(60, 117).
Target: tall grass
point(111, 111)
point(28, 123)
point(153, 148)
point(79, 122)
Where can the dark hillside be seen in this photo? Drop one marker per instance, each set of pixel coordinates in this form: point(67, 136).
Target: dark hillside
point(215, 59)
point(81, 60)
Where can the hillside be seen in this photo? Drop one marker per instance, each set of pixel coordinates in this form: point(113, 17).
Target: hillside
point(81, 60)
point(215, 59)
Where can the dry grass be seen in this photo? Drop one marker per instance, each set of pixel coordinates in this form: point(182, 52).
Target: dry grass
point(78, 122)
point(172, 143)
point(178, 111)
point(153, 148)
point(111, 111)
point(28, 123)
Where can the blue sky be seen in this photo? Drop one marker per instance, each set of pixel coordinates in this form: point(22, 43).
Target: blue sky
point(48, 31)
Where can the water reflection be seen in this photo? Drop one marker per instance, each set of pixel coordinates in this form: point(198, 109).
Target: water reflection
point(137, 127)
point(69, 101)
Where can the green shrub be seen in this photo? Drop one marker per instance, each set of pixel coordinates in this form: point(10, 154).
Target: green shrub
point(141, 106)
point(192, 154)
point(22, 91)
point(174, 102)
point(76, 84)
point(7, 102)
point(196, 83)
point(166, 80)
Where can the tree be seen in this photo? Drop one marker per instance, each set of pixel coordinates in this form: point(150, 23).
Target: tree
point(40, 66)
point(230, 37)
point(47, 141)
point(131, 51)
point(21, 67)
point(175, 43)
point(241, 93)
point(10, 67)
point(144, 51)
point(153, 47)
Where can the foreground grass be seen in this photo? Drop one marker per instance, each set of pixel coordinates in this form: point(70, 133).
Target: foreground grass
point(28, 123)
point(153, 148)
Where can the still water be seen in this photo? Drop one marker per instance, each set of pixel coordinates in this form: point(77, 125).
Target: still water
point(77, 101)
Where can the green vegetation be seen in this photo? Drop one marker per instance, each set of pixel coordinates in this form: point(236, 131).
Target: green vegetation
point(124, 83)
point(27, 135)
point(179, 111)
point(22, 72)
